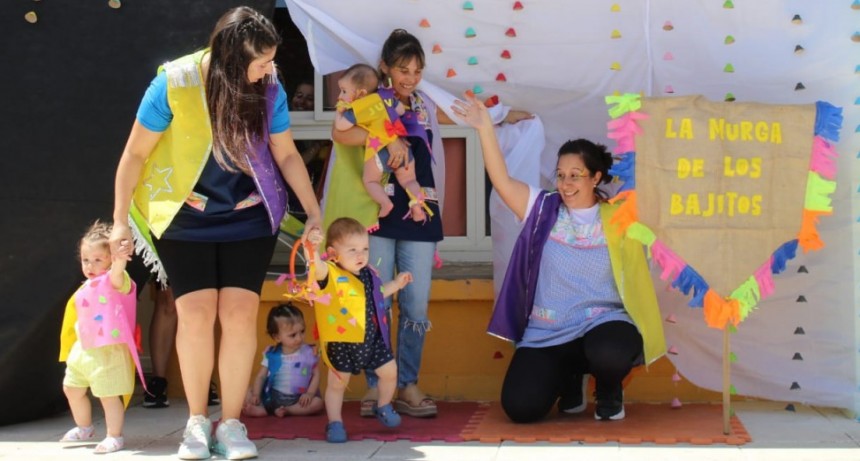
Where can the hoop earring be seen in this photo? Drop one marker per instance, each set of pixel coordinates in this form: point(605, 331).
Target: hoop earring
point(389, 83)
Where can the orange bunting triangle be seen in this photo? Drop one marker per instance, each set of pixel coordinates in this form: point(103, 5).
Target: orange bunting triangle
point(451, 73)
point(424, 23)
point(437, 49)
point(719, 312)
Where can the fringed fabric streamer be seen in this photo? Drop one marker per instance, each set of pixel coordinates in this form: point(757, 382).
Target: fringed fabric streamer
point(622, 104)
point(719, 312)
point(624, 130)
point(747, 296)
point(689, 280)
point(823, 159)
point(808, 237)
point(818, 192)
point(625, 170)
point(785, 252)
point(626, 213)
point(764, 278)
point(667, 260)
point(828, 120)
point(641, 232)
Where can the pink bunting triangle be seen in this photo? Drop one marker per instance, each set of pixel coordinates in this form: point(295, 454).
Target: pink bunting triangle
point(671, 318)
point(672, 350)
point(676, 403)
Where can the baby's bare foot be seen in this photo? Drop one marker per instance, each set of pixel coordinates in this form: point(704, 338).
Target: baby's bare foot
point(280, 412)
point(385, 208)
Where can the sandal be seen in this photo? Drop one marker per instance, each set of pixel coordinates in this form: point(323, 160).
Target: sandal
point(426, 408)
point(109, 445)
point(367, 408)
point(368, 403)
point(335, 432)
point(79, 434)
point(387, 416)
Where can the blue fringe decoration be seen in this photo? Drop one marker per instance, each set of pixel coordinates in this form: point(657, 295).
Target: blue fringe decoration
point(782, 255)
point(625, 170)
point(688, 280)
point(828, 120)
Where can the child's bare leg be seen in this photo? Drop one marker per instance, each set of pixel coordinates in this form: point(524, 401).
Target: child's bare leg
point(387, 382)
point(79, 404)
point(406, 178)
point(314, 407)
point(114, 415)
point(372, 177)
point(334, 395)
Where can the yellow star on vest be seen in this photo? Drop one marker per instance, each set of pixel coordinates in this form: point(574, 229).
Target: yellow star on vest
point(157, 181)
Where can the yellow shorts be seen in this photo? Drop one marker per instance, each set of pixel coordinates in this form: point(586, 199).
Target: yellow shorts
point(108, 370)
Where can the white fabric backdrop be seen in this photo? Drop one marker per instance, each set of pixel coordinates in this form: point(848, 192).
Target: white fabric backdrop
point(567, 55)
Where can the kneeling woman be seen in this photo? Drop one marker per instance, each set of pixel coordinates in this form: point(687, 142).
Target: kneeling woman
point(577, 297)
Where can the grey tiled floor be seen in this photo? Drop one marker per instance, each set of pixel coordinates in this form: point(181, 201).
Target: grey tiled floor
point(809, 433)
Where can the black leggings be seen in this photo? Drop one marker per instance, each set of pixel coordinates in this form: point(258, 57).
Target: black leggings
point(536, 377)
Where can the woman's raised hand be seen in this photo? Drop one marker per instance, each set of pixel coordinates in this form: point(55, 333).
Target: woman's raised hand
point(471, 111)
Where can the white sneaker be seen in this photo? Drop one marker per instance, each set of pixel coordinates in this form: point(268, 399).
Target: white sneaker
point(197, 438)
point(231, 440)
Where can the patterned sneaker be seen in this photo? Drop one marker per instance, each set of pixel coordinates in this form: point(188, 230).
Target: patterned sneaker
point(156, 393)
point(197, 438)
point(231, 440)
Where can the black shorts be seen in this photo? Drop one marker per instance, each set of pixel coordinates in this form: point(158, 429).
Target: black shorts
point(194, 266)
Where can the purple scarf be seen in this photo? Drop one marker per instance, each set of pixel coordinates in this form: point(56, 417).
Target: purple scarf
point(516, 298)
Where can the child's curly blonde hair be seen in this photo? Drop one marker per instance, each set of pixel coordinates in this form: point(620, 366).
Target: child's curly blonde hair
point(97, 234)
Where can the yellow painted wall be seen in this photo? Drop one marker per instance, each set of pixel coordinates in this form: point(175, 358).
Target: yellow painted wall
point(461, 361)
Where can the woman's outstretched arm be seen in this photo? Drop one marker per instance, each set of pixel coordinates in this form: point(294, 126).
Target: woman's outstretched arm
point(514, 193)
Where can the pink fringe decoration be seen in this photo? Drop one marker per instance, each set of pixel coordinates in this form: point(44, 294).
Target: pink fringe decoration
point(823, 159)
point(671, 263)
point(764, 278)
point(624, 129)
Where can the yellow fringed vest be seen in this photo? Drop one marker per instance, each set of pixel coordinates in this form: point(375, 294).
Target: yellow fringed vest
point(175, 165)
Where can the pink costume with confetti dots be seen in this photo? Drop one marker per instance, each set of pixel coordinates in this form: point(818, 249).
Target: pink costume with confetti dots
point(105, 316)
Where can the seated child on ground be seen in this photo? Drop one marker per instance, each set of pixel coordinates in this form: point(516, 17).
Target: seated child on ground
point(360, 104)
point(289, 379)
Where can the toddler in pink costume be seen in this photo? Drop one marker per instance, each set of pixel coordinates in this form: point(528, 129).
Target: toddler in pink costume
point(97, 340)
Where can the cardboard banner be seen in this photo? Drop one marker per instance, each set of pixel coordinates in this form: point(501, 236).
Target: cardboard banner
point(722, 193)
point(723, 183)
